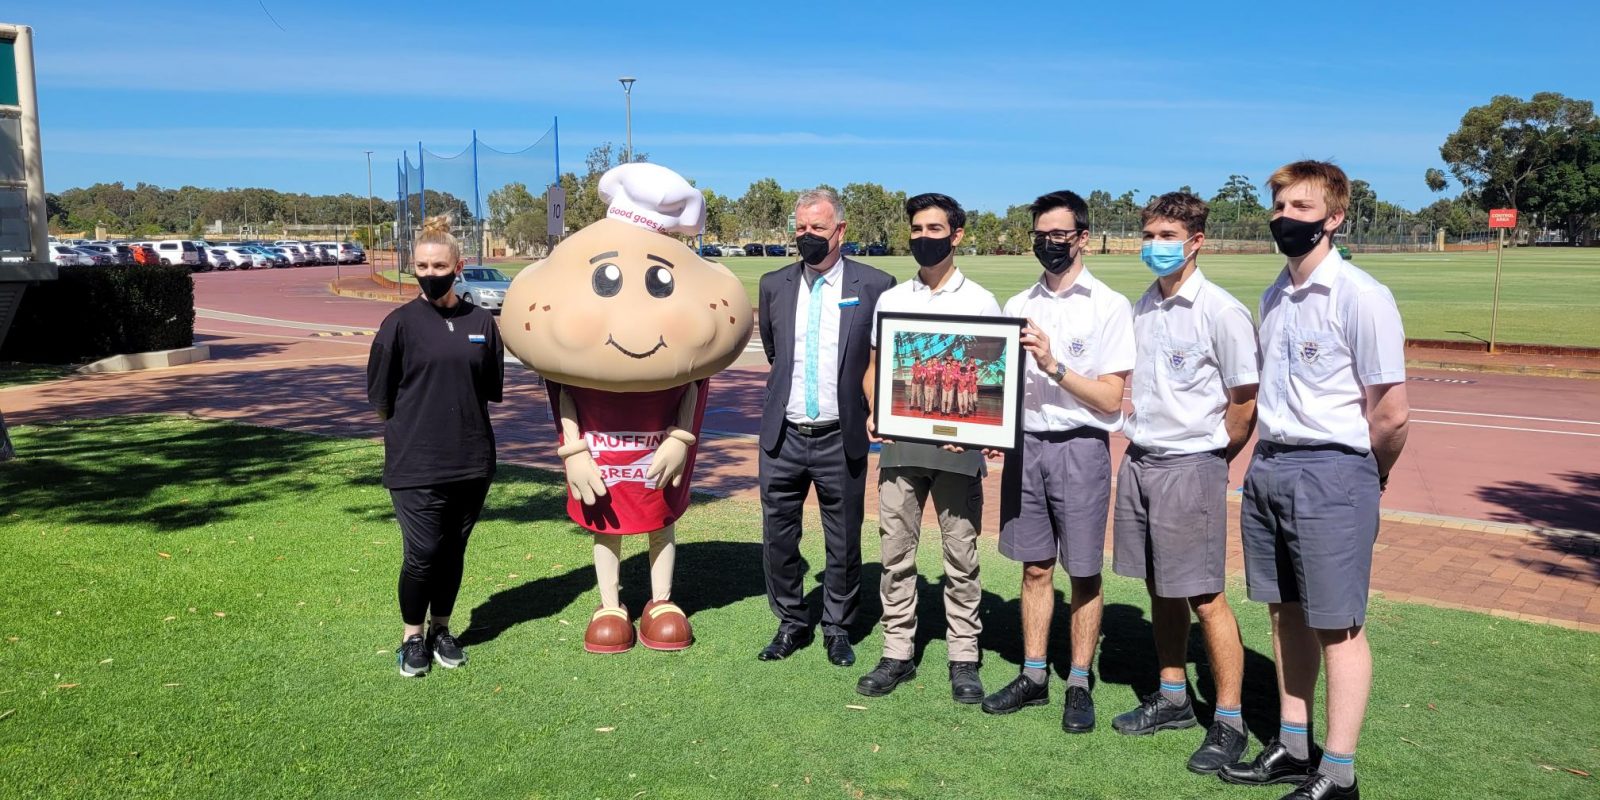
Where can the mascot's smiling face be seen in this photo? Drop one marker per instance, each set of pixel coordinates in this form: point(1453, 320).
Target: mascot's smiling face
point(620, 308)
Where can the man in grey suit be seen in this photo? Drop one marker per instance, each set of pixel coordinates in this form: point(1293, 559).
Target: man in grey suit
point(816, 325)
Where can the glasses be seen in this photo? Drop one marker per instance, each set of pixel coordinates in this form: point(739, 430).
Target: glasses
point(1055, 237)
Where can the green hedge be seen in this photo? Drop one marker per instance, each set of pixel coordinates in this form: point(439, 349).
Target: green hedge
point(94, 312)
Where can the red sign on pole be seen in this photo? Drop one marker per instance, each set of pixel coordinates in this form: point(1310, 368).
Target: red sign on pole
point(1502, 218)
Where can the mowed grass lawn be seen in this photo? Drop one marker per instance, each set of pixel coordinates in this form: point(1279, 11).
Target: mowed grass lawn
point(1547, 295)
point(198, 609)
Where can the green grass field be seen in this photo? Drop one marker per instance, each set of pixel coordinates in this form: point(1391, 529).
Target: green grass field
point(205, 610)
point(1547, 295)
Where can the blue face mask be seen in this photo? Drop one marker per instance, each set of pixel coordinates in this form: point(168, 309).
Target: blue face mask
point(1163, 258)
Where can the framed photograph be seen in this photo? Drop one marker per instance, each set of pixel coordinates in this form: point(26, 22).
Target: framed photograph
point(947, 379)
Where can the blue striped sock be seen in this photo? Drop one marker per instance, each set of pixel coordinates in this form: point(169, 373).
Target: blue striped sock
point(1036, 670)
point(1079, 676)
point(1296, 736)
point(1339, 766)
point(1231, 717)
point(1176, 693)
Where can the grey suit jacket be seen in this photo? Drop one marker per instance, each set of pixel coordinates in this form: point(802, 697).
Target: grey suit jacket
point(775, 316)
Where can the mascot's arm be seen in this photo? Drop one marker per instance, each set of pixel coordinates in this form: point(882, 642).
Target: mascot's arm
point(583, 477)
point(666, 466)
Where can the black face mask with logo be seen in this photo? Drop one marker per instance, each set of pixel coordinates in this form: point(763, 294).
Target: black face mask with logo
point(813, 249)
point(929, 251)
point(1296, 237)
point(436, 286)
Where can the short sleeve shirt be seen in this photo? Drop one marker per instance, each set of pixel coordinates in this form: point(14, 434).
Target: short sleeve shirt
point(1193, 347)
point(1091, 331)
point(1322, 344)
point(958, 295)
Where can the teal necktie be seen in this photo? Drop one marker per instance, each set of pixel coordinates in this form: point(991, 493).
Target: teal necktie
point(813, 346)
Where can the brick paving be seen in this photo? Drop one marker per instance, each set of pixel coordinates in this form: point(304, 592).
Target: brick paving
point(1539, 575)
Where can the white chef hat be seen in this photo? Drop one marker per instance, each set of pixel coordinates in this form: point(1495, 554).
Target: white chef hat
point(654, 197)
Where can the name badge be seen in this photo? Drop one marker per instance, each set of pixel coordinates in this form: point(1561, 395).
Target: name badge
point(850, 301)
point(477, 338)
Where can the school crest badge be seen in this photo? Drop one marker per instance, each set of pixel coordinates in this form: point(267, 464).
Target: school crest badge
point(1309, 350)
point(1077, 347)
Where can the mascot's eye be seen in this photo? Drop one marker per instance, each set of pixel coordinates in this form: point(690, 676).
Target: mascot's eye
point(608, 280)
point(658, 281)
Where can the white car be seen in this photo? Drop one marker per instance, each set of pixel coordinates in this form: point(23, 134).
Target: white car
point(296, 258)
point(65, 255)
point(222, 260)
point(729, 250)
point(344, 252)
point(175, 252)
point(245, 258)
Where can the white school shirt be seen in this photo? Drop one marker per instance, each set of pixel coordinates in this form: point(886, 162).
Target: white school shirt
point(958, 296)
point(1091, 331)
point(1193, 347)
point(830, 284)
point(1321, 346)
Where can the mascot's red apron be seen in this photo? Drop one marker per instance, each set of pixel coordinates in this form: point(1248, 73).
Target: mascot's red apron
point(623, 430)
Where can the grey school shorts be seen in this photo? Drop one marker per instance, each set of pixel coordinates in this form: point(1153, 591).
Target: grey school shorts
point(1066, 492)
point(1171, 521)
point(1308, 523)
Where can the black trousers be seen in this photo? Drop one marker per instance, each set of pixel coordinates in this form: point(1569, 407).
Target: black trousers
point(435, 522)
point(786, 478)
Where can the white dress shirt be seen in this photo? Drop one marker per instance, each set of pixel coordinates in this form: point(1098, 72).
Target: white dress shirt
point(958, 296)
point(830, 284)
point(1193, 347)
point(1321, 346)
point(1091, 331)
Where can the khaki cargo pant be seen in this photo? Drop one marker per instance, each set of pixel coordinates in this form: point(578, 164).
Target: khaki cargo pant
point(958, 501)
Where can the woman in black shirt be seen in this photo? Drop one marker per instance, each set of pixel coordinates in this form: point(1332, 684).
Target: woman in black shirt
point(435, 365)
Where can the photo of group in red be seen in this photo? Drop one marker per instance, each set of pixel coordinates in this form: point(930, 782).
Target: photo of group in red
point(949, 377)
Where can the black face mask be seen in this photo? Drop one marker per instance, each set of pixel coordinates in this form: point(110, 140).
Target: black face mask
point(814, 249)
point(1296, 237)
point(1055, 258)
point(436, 286)
point(929, 251)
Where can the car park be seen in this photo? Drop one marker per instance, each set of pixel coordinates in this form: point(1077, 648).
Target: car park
point(175, 252)
point(775, 250)
point(877, 249)
point(144, 254)
point(850, 249)
point(119, 253)
point(753, 249)
point(483, 286)
point(296, 258)
point(94, 257)
point(273, 259)
point(221, 259)
point(65, 255)
point(731, 249)
point(710, 251)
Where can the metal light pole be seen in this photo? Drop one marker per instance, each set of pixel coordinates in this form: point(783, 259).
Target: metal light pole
point(372, 231)
point(627, 93)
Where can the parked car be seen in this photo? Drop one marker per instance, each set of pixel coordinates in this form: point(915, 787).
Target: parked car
point(65, 255)
point(775, 250)
point(244, 257)
point(851, 249)
point(120, 254)
point(273, 259)
point(94, 257)
point(326, 253)
point(877, 249)
point(710, 251)
point(144, 254)
point(221, 259)
point(359, 252)
point(731, 249)
point(299, 253)
point(296, 258)
point(483, 286)
point(753, 249)
point(175, 252)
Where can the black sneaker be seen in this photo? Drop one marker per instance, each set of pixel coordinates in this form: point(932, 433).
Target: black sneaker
point(1078, 716)
point(1155, 713)
point(1223, 746)
point(1017, 695)
point(965, 687)
point(446, 652)
point(413, 656)
point(889, 673)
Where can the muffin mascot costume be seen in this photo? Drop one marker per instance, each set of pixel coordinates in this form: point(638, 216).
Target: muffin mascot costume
point(627, 324)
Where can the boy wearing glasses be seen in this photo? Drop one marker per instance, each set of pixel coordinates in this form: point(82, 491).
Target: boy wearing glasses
point(1080, 334)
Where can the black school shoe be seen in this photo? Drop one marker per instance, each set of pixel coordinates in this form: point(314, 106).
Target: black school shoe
point(1322, 787)
point(1272, 765)
point(1223, 746)
point(1155, 713)
point(889, 673)
point(1078, 716)
point(965, 687)
point(413, 656)
point(1017, 695)
point(446, 652)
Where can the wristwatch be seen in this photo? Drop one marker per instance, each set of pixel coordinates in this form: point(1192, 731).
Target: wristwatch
point(1059, 373)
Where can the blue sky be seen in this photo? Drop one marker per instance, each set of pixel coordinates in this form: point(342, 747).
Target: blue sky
point(992, 103)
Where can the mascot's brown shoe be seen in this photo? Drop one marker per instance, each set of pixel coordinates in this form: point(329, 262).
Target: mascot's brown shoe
point(663, 626)
point(609, 631)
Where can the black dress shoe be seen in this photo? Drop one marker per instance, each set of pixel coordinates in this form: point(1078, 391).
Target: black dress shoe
point(964, 684)
point(889, 673)
point(1078, 716)
point(1223, 746)
point(783, 645)
point(1017, 695)
point(1272, 765)
point(1155, 713)
point(839, 652)
point(1322, 787)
